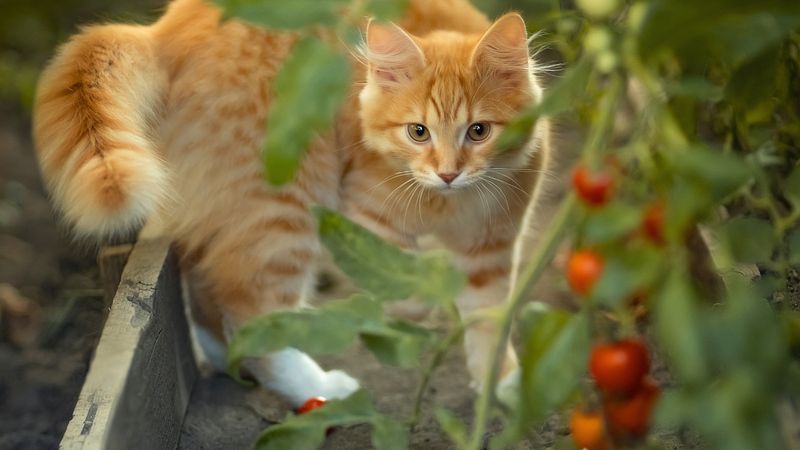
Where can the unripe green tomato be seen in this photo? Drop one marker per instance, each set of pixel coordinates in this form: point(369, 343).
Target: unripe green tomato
point(597, 40)
point(567, 25)
point(598, 9)
point(607, 61)
point(636, 15)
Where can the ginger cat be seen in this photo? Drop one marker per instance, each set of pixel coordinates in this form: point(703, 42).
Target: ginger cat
point(164, 123)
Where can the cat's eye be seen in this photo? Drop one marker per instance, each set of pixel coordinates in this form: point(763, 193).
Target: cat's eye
point(478, 131)
point(418, 132)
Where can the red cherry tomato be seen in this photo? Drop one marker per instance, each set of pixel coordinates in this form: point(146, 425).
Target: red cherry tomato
point(619, 367)
point(631, 416)
point(588, 431)
point(311, 404)
point(584, 268)
point(653, 223)
point(593, 188)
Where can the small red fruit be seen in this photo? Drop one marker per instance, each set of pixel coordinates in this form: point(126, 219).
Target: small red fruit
point(593, 188)
point(587, 430)
point(653, 223)
point(311, 404)
point(619, 367)
point(631, 417)
point(584, 268)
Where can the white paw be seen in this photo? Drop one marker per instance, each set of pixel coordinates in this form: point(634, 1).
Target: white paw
point(507, 390)
point(338, 384)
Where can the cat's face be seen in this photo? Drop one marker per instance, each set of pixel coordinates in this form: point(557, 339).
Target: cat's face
point(436, 105)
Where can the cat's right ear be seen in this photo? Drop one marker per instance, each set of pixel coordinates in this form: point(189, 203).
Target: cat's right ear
point(392, 55)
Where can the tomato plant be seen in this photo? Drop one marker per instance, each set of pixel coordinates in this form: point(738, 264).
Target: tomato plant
point(588, 430)
point(594, 188)
point(584, 268)
point(619, 367)
point(696, 105)
point(631, 416)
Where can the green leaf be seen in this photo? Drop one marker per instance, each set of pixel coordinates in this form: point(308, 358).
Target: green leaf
point(627, 273)
point(307, 431)
point(755, 81)
point(554, 355)
point(389, 434)
point(451, 425)
point(794, 247)
point(383, 270)
point(308, 91)
point(330, 329)
point(397, 344)
point(694, 87)
point(285, 14)
point(792, 187)
point(712, 174)
point(730, 31)
point(559, 98)
point(749, 239)
point(386, 9)
point(677, 326)
point(611, 222)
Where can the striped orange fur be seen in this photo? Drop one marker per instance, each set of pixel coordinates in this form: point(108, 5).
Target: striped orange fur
point(163, 124)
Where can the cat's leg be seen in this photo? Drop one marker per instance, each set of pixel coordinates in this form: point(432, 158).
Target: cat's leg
point(486, 260)
point(264, 262)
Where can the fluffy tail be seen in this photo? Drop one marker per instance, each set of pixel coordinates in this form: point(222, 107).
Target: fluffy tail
point(95, 107)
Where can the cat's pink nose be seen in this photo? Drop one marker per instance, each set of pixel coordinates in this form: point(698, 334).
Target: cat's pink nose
point(448, 177)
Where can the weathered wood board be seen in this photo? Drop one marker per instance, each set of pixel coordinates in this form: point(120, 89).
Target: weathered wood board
point(138, 386)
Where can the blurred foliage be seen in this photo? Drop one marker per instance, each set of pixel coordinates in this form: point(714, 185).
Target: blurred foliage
point(30, 31)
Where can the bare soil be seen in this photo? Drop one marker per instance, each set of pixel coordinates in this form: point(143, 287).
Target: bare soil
point(51, 308)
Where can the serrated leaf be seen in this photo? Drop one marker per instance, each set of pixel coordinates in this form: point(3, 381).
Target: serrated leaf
point(328, 329)
point(383, 270)
point(315, 331)
point(395, 344)
point(308, 91)
point(749, 239)
point(557, 99)
point(555, 351)
point(285, 14)
point(677, 327)
point(307, 431)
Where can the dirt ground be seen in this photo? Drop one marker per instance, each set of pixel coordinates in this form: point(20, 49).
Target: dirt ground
point(51, 308)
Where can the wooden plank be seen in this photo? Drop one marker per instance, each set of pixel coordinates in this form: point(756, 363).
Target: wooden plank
point(138, 386)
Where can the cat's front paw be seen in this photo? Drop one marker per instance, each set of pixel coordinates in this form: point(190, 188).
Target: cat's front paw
point(337, 385)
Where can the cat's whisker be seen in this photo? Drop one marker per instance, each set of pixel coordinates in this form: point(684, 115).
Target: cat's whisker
point(383, 209)
point(389, 178)
point(409, 198)
point(515, 186)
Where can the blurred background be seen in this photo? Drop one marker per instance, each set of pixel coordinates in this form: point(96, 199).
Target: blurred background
point(51, 301)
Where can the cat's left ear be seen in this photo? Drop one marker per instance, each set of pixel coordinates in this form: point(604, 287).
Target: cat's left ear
point(503, 49)
point(392, 54)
